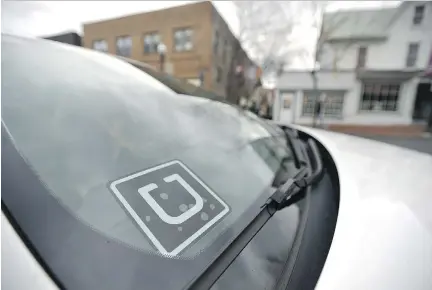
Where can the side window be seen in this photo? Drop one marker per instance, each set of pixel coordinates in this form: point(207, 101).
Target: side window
point(218, 74)
point(224, 52)
point(151, 42)
point(380, 97)
point(100, 45)
point(183, 39)
point(411, 58)
point(361, 58)
point(216, 43)
point(418, 14)
point(124, 46)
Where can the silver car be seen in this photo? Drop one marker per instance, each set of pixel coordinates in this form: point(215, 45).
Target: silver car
point(112, 180)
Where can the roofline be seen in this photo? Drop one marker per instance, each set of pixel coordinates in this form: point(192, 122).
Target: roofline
point(350, 10)
point(396, 8)
point(146, 12)
point(357, 38)
point(230, 31)
point(61, 33)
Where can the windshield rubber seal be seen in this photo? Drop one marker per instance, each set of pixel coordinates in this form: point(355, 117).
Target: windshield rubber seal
point(290, 262)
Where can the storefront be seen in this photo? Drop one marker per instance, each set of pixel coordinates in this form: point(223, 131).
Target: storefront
point(351, 98)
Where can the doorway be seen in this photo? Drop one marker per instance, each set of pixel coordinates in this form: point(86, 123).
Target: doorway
point(287, 102)
point(423, 103)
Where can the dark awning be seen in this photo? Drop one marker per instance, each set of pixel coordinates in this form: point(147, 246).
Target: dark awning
point(385, 75)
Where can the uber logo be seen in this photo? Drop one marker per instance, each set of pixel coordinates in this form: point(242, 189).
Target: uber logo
point(170, 204)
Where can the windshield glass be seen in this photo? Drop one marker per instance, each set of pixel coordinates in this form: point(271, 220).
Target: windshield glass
point(87, 124)
point(177, 85)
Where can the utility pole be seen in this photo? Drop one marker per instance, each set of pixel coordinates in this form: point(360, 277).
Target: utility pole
point(201, 78)
point(161, 49)
point(315, 92)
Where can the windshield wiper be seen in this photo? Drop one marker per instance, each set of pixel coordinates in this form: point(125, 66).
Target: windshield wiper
point(283, 196)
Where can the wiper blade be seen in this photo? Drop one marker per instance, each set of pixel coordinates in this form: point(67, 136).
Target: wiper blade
point(281, 198)
point(294, 142)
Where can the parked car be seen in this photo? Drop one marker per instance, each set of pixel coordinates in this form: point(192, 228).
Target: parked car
point(112, 180)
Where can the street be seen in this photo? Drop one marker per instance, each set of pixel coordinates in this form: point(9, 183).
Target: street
point(422, 144)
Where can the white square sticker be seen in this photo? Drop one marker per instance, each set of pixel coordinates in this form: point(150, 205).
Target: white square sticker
point(170, 204)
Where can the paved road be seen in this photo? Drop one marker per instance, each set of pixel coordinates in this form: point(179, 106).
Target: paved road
point(419, 143)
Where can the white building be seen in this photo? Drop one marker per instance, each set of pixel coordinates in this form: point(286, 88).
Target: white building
point(373, 69)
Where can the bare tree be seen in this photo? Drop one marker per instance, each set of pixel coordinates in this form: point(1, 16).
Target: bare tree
point(265, 32)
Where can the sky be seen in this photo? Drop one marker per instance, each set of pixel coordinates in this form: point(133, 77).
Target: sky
point(45, 18)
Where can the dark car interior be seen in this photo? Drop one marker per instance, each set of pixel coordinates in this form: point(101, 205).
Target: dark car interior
point(322, 203)
point(308, 251)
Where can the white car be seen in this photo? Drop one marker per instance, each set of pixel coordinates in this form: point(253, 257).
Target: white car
point(112, 180)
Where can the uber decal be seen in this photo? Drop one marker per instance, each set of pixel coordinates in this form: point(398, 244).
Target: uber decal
point(170, 204)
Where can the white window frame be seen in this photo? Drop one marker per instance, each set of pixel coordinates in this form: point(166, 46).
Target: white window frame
point(333, 105)
point(362, 56)
point(124, 45)
point(183, 39)
point(380, 97)
point(151, 40)
point(418, 16)
point(412, 54)
point(100, 45)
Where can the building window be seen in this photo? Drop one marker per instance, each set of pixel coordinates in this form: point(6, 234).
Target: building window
point(183, 39)
point(332, 107)
point(418, 14)
point(412, 54)
point(124, 46)
point(151, 42)
point(225, 52)
point(216, 42)
point(361, 58)
point(380, 97)
point(218, 74)
point(100, 45)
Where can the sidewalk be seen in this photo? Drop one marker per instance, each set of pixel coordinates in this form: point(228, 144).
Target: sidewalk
point(412, 131)
point(421, 144)
point(411, 137)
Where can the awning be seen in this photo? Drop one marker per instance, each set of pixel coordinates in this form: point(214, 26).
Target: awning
point(385, 75)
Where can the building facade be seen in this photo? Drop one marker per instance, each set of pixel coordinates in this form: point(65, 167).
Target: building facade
point(198, 42)
point(372, 70)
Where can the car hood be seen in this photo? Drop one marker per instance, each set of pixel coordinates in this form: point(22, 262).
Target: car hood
point(383, 235)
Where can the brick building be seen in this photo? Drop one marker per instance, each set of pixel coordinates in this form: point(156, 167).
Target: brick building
point(198, 41)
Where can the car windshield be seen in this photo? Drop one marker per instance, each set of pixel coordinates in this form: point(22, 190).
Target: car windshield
point(89, 124)
point(177, 85)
